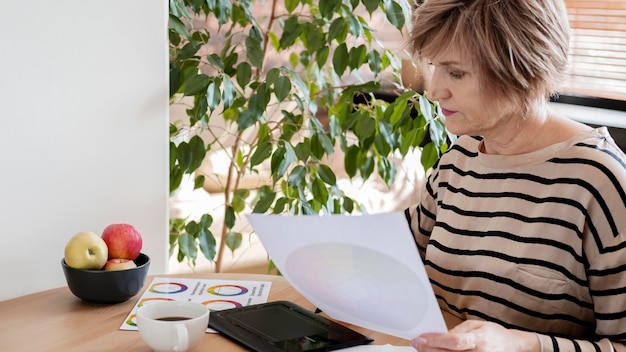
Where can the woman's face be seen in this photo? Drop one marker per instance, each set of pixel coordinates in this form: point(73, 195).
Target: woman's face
point(454, 83)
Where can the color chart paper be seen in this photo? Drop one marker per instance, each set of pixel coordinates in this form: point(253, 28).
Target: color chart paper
point(215, 294)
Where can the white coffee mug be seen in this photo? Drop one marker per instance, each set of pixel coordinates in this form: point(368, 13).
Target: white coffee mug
point(172, 325)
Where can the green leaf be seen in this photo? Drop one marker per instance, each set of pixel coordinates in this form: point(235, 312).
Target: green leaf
point(327, 175)
point(175, 80)
point(365, 128)
point(291, 5)
point(198, 182)
point(254, 51)
point(213, 95)
point(387, 170)
point(228, 91)
point(187, 52)
point(239, 199)
point(321, 56)
point(199, 109)
point(437, 130)
point(262, 152)
point(291, 31)
point(176, 178)
point(233, 240)
point(282, 87)
point(371, 5)
point(294, 59)
point(221, 10)
point(173, 154)
point(187, 245)
point(278, 166)
point(229, 63)
point(375, 62)
point(411, 139)
point(178, 8)
point(386, 131)
point(348, 204)
point(395, 13)
point(244, 73)
point(396, 112)
point(192, 228)
point(280, 205)
point(229, 217)
point(246, 119)
point(327, 7)
point(350, 160)
point(297, 176)
point(319, 191)
point(207, 244)
point(206, 220)
point(185, 156)
point(216, 61)
point(429, 155)
point(358, 56)
point(274, 40)
point(356, 29)
point(196, 84)
point(426, 108)
point(313, 37)
point(340, 59)
point(179, 26)
point(271, 76)
point(317, 147)
point(366, 167)
point(302, 150)
point(338, 30)
point(264, 202)
point(259, 100)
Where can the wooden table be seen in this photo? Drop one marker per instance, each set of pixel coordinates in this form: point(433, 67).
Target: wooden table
point(55, 320)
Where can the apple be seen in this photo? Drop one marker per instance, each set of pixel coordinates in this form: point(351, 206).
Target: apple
point(122, 240)
point(119, 264)
point(86, 250)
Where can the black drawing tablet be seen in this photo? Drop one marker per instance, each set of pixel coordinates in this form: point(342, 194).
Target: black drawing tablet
point(283, 326)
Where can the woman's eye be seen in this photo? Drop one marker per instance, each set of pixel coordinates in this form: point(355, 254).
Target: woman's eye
point(456, 74)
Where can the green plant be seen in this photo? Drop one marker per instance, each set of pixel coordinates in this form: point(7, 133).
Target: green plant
point(324, 42)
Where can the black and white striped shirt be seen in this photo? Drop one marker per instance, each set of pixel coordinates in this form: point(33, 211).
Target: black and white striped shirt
point(535, 241)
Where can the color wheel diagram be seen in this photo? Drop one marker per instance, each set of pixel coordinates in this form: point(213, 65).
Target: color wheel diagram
point(214, 294)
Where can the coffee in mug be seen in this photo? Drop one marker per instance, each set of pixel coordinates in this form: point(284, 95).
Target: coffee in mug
point(173, 318)
point(172, 325)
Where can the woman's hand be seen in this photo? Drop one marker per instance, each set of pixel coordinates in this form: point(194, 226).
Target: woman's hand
point(478, 336)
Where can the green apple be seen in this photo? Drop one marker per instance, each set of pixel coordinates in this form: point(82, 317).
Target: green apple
point(86, 250)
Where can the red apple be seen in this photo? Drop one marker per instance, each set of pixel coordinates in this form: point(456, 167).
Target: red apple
point(119, 264)
point(123, 241)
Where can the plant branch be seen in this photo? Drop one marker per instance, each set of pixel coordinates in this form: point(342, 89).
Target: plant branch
point(227, 201)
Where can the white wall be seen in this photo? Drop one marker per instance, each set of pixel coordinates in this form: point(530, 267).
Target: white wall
point(83, 135)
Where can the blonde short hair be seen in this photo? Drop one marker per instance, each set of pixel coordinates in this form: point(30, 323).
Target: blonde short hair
point(519, 47)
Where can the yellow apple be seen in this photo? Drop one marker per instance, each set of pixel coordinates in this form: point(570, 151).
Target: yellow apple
point(119, 264)
point(86, 250)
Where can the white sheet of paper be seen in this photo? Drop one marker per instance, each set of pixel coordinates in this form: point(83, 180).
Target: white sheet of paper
point(363, 269)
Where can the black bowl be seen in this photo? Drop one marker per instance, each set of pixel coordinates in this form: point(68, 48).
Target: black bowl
point(107, 286)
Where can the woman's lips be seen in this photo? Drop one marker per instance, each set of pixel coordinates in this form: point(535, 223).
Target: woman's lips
point(447, 112)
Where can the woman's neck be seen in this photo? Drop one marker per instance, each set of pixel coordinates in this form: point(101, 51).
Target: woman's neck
point(536, 131)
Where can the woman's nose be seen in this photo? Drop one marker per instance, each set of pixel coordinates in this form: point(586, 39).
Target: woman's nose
point(435, 89)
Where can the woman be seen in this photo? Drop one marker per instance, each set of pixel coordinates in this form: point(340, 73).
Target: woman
point(522, 223)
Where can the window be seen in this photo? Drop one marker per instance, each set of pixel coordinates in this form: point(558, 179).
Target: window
point(598, 50)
